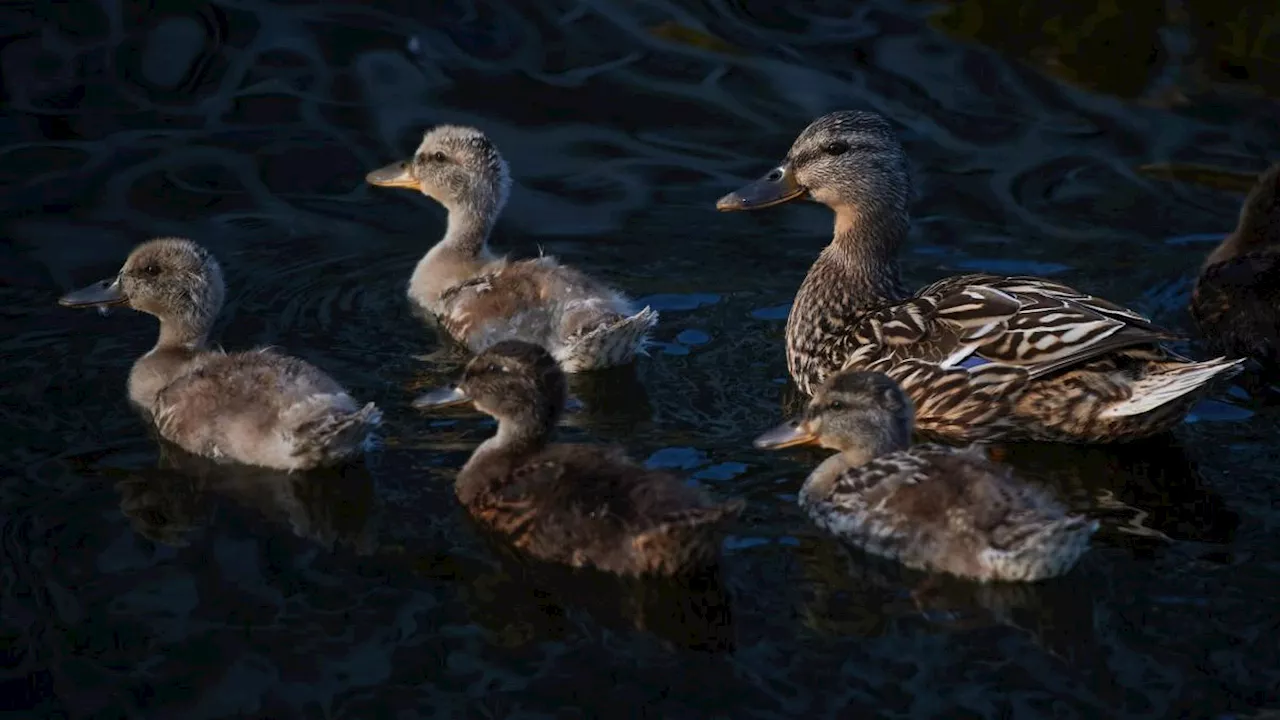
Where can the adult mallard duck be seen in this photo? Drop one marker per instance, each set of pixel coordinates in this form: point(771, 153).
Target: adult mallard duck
point(983, 357)
point(577, 504)
point(481, 299)
point(931, 507)
point(1236, 299)
point(258, 407)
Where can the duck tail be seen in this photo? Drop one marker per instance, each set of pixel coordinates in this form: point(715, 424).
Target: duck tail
point(1170, 383)
point(1051, 550)
point(330, 437)
point(615, 343)
point(685, 540)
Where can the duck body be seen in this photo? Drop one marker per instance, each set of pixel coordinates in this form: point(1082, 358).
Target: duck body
point(592, 506)
point(580, 505)
point(984, 357)
point(987, 357)
point(481, 299)
point(267, 409)
point(931, 507)
point(940, 509)
point(1235, 302)
point(583, 323)
point(258, 407)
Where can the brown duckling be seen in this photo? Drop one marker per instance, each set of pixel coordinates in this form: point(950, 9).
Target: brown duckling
point(930, 507)
point(1236, 299)
point(257, 407)
point(576, 504)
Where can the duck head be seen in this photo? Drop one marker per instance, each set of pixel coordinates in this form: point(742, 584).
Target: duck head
point(845, 159)
point(174, 279)
point(859, 414)
point(513, 382)
point(457, 166)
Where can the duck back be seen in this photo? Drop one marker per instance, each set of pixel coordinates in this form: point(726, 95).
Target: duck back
point(589, 505)
point(262, 408)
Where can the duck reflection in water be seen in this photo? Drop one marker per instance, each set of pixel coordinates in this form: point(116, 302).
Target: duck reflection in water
point(1148, 493)
point(333, 506)
point(846, 593)
point(524, 600)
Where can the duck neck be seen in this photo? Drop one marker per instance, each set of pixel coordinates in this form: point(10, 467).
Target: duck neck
point(864, 254)
point(179, 336)
point(459, 255)
point(856, 273)
point(179, 344)
point(467, 234)
point(518, 436)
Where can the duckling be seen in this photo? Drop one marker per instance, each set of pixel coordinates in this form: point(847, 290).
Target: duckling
point(930, 507)
point(576, 504)
point(1236, 299)
point(983, 357)
point(481, 299)
point(258, 407)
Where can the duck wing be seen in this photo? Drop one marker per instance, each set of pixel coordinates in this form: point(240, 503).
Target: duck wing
point(1040, 326)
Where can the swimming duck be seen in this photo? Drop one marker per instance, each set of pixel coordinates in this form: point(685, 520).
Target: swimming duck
point(983, 357)
point(258, 407)
point(481, 299)
point(1236, 299)
point(931, 507)
point(576, 504)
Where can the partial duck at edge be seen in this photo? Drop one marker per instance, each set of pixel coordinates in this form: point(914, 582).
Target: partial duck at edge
point(1236, 299)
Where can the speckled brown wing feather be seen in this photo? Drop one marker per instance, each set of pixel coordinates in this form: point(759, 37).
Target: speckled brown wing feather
point(1026, 322)
point(507, 302)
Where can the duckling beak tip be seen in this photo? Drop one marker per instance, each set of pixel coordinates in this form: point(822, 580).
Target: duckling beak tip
point(397, 174)
point(101, 295)
point(441, 397)
point(788, 434)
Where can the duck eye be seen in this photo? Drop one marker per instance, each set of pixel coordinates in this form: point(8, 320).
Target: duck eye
point(438, 156)
point(153, 270)
point(835, 405)
point(836, 147)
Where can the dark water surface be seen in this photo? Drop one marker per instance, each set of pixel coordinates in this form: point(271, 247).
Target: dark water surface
point(136, 582)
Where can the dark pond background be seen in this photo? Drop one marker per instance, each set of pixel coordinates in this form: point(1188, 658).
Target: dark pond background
point(137, 583)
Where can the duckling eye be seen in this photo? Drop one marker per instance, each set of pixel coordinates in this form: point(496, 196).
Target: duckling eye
point(836, 147)
point(835, 405)
point(153, 270)
point(438, 156)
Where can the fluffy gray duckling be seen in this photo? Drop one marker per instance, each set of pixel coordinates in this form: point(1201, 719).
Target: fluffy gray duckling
point(257, 407)
point(481, 299)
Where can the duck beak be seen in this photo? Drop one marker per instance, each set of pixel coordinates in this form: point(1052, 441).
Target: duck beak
point(397, 174)
point(103, 293)
point(441, 397)
point(788, 434)
point(777, 187)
